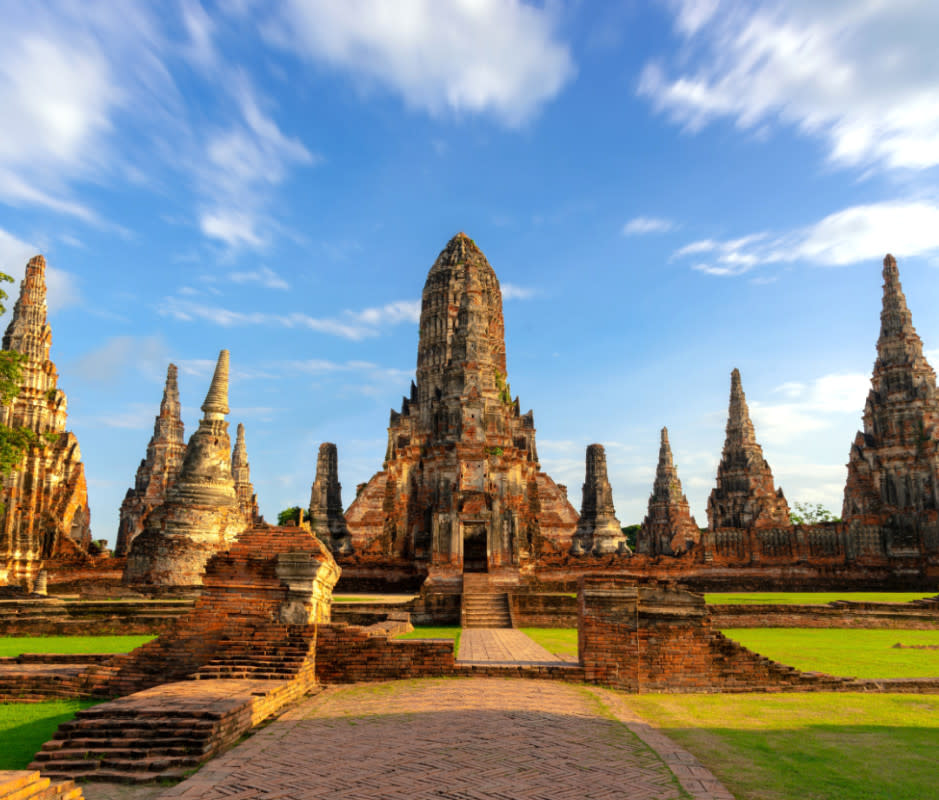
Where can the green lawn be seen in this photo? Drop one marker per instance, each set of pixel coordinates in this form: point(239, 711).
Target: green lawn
point(17, 645)
point(25, 726)
point(441, 632)
point(560, 641)
point(807, 746)
point(811, 598)
point(844, 651)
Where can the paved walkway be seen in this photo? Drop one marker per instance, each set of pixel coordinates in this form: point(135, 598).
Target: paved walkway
point(457, 739)
point(502, 646)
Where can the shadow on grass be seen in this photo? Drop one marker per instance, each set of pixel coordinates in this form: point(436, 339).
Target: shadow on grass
point(24, 727)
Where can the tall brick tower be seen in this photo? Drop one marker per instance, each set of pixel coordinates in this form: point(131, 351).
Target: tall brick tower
point(461, 488)
point(45, 499)
point(893, 469)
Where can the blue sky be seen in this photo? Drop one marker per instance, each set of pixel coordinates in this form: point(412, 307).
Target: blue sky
point(666, 190)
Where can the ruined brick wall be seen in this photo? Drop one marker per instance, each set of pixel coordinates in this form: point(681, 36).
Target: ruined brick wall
point(348, 654)
point(658, 638)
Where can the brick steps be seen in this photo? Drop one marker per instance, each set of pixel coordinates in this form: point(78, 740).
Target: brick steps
point(30, 785)
point(486, 609)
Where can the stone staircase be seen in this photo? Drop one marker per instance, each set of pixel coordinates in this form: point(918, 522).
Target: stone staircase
point(277, 654)
point(483, 605)
point(30, 785)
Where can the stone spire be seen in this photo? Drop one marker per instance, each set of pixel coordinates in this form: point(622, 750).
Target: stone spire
point(669, 528)
point(201, 514)
point(241, 472)
point(893, 468)
point(326, 518)
point(744, 496)
point(460, 486)
point(157, 472)
point(598, 531)
point(45, 500)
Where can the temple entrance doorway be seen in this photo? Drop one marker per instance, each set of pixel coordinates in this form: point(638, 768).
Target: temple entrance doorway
point(475, 558)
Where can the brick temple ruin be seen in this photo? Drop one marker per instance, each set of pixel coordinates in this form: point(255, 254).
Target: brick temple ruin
point(461, 489)
point(45, 512)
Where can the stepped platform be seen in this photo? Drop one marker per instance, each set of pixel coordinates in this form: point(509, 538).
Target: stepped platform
point(163, 733)
point(30, 785)
point(484, 605)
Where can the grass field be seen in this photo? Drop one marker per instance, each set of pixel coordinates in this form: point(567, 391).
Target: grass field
point(25, 726)
point(807, 746)
point(441, 632)
point(560, 641)
point(17, 645)
point(811, 598)
point(849, 652)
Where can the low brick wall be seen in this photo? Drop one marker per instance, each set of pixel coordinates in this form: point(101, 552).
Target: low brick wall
point(658, 638)
point(58, 617)
point(832, 615)
point(349, 654)
point(543, 610)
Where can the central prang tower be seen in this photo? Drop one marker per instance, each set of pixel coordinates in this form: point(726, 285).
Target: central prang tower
point(461, 488)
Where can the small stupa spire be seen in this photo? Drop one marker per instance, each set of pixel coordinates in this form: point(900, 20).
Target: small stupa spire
point(669, 528)
point(216, 401)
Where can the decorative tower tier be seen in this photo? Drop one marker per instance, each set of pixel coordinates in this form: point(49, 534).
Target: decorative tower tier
point(461, 488)
point(668, 529)
point(157, 472)
point(326, 518)
point(745, 496)
point(45, 499)
point(201, 514)
point(598, 531)
point(893, 469)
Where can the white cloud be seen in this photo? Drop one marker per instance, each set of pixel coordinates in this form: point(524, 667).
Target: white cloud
point(111, 361)
point(855, 234)
point(500, 57)
point(809, 406)
point(862, 76)
point(354, 325)
point(639, 226)
point(512, 292)
point(263, 275)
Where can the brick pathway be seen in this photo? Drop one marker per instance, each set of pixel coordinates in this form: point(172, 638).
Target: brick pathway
point(478, 739)
point(498, 646)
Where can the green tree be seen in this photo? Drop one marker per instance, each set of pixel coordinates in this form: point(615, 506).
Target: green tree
point(811, 514)
point(14, 442)
point(631, 532)
point(289, 516)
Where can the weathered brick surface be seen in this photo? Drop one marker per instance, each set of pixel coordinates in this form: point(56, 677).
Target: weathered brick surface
point(668, 528)
point(461, 484)
point(327, 519)
point(598, 530)
point(44, 512)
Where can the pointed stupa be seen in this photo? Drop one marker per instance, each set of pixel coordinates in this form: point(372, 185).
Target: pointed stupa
point(216, 401)
point(598, 531)
point(44, 500)
point(241, 472)
point(669, 528)
point(893, 467)
point(745, 496)
point(460, 486)
point(326, 518)
point(201, 514)
point(158, 470)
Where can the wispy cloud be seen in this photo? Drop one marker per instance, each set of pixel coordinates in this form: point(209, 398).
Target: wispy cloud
point(265, 276)
point(120, 355)
point(639, 226)
point(862, 76)
point(498, 57)
point(354, 325)
point(855, 234)
point(512, 292)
